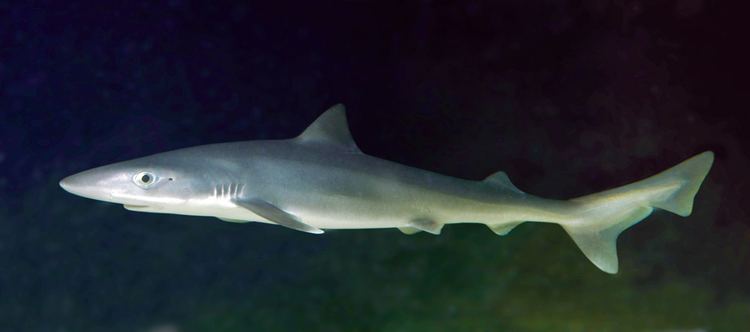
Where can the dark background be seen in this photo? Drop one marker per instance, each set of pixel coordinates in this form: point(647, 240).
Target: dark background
point(568, 97)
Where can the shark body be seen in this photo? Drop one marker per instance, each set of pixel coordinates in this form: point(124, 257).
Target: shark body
point(321, 180)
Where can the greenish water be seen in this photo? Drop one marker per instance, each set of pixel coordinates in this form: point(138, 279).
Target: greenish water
point(98, 267)
point(567, 97)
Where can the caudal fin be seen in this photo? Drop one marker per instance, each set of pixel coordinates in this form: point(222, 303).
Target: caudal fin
point(603, 216)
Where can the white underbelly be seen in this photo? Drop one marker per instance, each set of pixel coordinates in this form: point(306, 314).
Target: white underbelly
point(331, 218)
point(353, 213)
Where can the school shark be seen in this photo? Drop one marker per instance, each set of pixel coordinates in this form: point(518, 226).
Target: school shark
point(321, 180)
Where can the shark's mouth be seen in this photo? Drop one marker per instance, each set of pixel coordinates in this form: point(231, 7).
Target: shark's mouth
point(135, 207)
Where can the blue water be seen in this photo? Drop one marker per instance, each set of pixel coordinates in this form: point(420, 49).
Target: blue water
point(567, 98)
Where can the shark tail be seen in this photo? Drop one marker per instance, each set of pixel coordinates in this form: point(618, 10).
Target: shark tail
point(602, 216)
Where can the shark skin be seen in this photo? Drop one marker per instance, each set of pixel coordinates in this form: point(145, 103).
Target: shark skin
point(321, 180)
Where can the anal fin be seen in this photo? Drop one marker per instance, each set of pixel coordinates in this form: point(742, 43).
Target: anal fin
point(409, 230)
point(427, 225)
point(504, 228)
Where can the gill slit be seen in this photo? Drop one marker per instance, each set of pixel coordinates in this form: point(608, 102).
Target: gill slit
point(228, 191)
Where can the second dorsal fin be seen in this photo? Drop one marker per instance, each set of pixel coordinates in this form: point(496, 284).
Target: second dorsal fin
point(501, 179)
point(331, 129)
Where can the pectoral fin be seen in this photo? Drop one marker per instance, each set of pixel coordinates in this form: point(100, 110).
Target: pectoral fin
point(276, 215)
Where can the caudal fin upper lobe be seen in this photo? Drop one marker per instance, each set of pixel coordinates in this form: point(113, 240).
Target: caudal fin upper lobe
point(603, 216)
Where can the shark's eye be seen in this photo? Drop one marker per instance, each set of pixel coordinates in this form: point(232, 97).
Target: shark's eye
point(144, 179)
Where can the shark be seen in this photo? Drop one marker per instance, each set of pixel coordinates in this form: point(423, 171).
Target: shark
point(320, 180)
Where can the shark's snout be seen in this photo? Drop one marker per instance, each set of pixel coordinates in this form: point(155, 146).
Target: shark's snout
point(65, 184)
point(115, 184)
point(81, 185)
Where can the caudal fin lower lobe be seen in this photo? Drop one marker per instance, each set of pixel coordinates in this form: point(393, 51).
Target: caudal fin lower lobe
point(603, 216)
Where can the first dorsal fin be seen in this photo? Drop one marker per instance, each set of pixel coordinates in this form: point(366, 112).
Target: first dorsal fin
point(501, 179)
point(331, 129)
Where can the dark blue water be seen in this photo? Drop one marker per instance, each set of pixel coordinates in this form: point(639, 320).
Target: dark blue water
point(567, 97)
